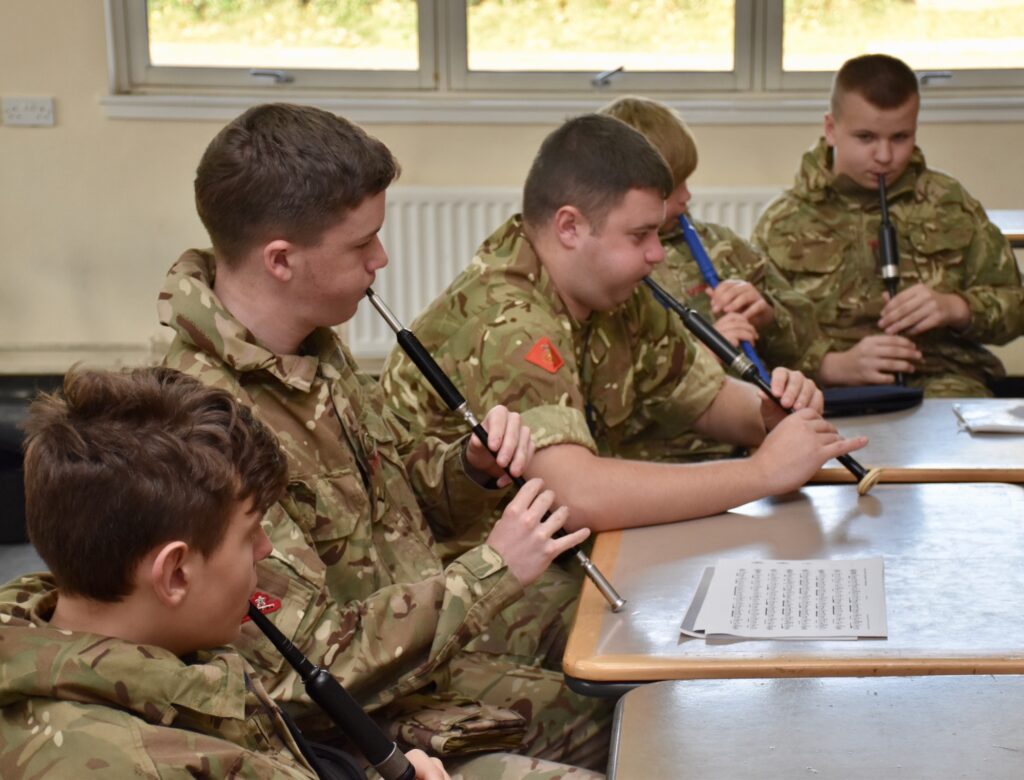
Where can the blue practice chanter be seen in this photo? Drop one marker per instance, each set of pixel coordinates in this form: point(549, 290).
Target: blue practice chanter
point(707, 270)
point(740, 365)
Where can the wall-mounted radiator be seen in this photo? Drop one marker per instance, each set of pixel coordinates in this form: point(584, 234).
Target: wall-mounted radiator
point(431, 233)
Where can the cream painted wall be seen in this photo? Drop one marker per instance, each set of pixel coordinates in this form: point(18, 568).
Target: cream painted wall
point(94, 210)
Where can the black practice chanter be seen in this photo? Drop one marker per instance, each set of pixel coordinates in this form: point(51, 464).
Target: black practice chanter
point(888, 252)
point(744, 369)
point(332, 698)
point(454, 400)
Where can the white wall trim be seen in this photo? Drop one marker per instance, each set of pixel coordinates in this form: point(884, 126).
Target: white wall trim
point(421, 109)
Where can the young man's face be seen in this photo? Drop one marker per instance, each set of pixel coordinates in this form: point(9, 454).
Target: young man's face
point(613, 260)
point(334, 274)
point(223, 581)
point(675, 205)
point(869, 142)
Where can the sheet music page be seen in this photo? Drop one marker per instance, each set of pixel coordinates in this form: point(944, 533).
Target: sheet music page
point(817, 599)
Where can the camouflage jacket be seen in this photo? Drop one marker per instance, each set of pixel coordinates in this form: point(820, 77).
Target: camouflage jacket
point(619, 383)
point(83, 705)
point(791, 339)
point(823, 235)
point(362, 590)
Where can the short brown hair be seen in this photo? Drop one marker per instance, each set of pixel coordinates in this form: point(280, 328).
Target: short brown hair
point(883, 81)
point(122, 462)
point(663, 127)
point(591, 162)
point(286, 170)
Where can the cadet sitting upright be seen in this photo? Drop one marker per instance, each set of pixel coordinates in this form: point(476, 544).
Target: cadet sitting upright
point(958, 279)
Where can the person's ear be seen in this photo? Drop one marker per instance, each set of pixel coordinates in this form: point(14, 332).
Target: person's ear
point(278, 259)
point(170, 573)
point(830, 129)
point(570, 226)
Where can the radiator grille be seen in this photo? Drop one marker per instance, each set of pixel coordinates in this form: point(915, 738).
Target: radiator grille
point(431, 233)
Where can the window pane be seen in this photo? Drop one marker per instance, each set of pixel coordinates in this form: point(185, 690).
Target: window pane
point(820, 35)
point(598, 35)
point(306, 34)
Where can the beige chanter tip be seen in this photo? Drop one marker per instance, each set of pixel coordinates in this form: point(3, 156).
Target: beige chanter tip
point(869, 481)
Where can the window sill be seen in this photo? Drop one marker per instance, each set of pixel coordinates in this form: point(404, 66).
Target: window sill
point(527, 110)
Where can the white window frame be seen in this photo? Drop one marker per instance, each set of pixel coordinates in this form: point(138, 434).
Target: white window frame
point(130, 33)
point(461, 78)
point(775, 78)
point(444, 90)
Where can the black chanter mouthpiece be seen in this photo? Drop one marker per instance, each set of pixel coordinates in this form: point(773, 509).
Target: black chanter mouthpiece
point(332, 698)
point(455, 401)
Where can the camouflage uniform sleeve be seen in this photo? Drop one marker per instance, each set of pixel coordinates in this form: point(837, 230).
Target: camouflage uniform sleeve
point(993, 286)
point(451, 500)
point(805, 345)
point(104, 742)
point(382, 647)
point(523, 357)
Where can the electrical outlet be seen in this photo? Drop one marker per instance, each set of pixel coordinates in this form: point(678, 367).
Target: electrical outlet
point(28, 111)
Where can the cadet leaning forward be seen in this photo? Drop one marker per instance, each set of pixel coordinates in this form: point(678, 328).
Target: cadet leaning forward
point(144, 495)
point(550, 318)
point(753, 302)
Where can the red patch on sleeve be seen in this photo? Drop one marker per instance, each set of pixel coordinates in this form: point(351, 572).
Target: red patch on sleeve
point(264, 602)
point(544, 355)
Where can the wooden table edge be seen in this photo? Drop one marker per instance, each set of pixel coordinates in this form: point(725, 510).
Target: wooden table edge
point(641, 668)
point(837, 475)
point(586, 628)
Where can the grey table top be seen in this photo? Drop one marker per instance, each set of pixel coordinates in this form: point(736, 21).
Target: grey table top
point(954, 585)
point(905, 727)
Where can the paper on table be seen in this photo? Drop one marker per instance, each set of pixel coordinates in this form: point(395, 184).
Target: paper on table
point(983, 418)
point(818, 599)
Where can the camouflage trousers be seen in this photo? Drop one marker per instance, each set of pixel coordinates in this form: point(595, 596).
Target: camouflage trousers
point(950, 386)
point(534, 630)
point(516, 664)
point(561, 725)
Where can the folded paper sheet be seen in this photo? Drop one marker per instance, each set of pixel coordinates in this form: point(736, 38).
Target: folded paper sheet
point(986, 418)
point(817, 599)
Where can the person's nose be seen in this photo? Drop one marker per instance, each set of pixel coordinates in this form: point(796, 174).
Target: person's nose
point(654, 252)
point(263, 546)
point(380, 257)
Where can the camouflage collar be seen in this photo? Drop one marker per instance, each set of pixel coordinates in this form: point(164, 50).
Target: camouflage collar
point(152, 683)
point(815, 181)
point(526, 263)
point(188, 304)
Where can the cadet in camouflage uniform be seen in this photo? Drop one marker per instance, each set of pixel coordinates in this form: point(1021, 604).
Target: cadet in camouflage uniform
point(753, 303)
point(959, 282)
point(143, 492)
point(549, 319)
point(106, 675)
point(361, 588)
point(76, 704)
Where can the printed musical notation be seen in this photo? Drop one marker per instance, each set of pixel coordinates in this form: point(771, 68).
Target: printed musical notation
point(818, 599)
